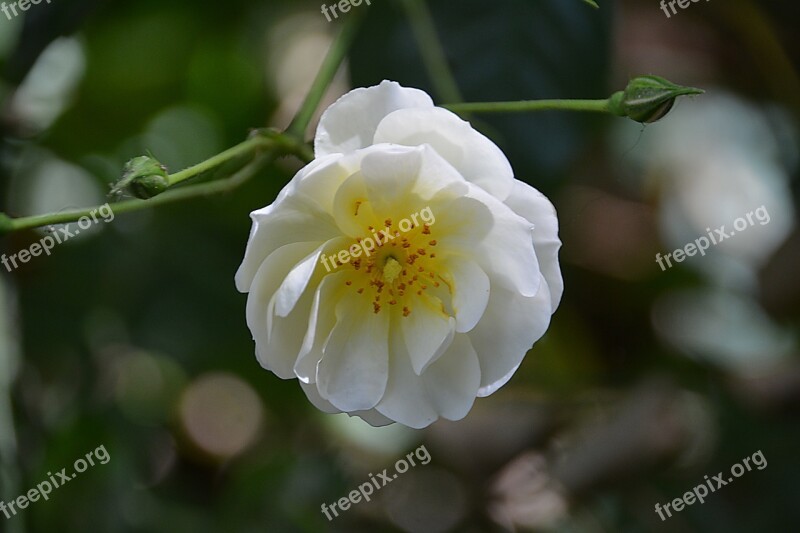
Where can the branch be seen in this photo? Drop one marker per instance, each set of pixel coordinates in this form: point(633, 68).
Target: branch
point(524, 106)
point(646, 99)
point(8, 225)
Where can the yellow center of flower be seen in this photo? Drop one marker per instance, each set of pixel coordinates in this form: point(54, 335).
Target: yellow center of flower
point(399, 269)
point(391, 269)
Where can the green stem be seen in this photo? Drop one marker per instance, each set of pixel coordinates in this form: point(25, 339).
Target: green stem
point(596, 106)
point(264, 139)
point(183, 193)
point(266, 146)
point(330, 66)
point(430, 48)
point(246, 147)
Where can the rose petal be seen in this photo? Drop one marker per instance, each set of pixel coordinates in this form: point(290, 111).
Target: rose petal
point(477, 158)
point(295, 283)
point(277, 225)
point(427, 332)
point(350, 123)
point(373, 418)
point(313, 395)
point(506, 253)
point(389, 177)
point(405, 399)
point(452, 381)
point(321, 322)
point(353, 371)
point(276, 352)
point(508, 329)
point(470, 286)
point(535, 207)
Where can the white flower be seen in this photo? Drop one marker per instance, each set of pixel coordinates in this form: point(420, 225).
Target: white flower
point(438, 315)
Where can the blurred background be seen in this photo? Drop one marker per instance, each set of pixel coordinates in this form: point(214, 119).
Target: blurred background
point(133, 337)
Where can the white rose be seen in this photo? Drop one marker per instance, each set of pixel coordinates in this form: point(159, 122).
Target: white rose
point(434, 317)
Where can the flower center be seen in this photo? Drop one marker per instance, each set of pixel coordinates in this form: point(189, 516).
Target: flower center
point(399, 269)
point(391, 269)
